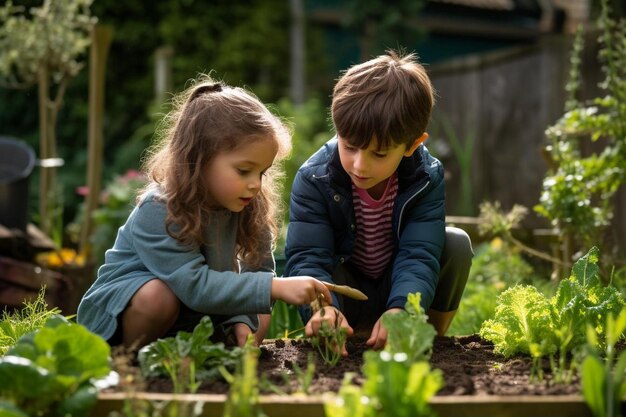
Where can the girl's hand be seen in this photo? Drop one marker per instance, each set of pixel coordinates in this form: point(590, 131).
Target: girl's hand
point(378, 338)
point(241, 332)
point(332, 316)
point(298, 290)
point(264, 325)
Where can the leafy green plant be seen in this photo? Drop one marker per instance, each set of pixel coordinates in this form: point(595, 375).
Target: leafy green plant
point(496, 265)
point(603, 378)
point(243, 397)
point(328, 342)
point(398, 380)
point(394, 386)
point(577, 193)
point(188, 357)
point(32, 317)
point(409, 332)
point(526, 321)
point(51, 371)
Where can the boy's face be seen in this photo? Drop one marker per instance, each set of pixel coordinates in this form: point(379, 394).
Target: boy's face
point(370, 168)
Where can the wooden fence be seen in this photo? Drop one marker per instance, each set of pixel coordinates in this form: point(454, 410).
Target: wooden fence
point(502, 103)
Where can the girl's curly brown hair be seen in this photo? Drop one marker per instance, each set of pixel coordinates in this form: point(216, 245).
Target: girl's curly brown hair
point(206, 119)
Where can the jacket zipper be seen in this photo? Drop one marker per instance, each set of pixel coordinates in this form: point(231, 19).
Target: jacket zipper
point(404, 206)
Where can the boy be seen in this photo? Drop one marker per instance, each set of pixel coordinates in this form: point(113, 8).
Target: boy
point(367, 209)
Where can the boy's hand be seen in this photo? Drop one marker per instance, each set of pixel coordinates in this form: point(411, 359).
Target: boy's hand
point(332, 315)
point(298, 290)
point(378, 338)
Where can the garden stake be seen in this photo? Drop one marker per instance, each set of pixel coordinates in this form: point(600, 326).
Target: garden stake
point(345, 290)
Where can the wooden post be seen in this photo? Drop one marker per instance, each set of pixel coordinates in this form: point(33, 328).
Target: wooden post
point(101, 37)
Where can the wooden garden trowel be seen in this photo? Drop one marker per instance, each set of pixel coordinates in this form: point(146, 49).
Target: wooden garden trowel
point(345, 290)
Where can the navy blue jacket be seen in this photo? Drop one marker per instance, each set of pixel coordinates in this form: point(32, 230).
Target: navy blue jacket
point(322, 229)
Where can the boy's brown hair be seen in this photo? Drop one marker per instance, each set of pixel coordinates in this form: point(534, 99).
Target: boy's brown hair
point(388, 98)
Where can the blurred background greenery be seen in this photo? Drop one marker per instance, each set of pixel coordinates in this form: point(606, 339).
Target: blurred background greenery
point(289, 53)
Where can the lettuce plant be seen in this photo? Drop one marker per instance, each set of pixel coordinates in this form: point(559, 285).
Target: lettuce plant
point(51, 372)
point(528, 322)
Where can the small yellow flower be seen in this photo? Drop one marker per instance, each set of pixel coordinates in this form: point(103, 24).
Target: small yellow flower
point(63, 257)
point(496, 243)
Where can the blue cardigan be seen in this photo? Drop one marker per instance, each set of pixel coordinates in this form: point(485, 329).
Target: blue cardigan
point(322, 229)
point(202, 278)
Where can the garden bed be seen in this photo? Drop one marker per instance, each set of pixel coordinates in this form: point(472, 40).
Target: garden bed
point(477, 382)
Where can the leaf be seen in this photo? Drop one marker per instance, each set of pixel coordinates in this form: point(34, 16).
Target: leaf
point(585, 270)
point(593, 385)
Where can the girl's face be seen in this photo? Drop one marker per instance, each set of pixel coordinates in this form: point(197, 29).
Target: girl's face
point(234, 177)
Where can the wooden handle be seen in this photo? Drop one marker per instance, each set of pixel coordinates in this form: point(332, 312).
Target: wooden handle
point(347, 291)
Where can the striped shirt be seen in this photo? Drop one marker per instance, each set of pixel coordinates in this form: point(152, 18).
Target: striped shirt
point(374, 244)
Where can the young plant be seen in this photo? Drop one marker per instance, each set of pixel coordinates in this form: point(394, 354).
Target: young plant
point(32, 317)
point(53, 370)
point(330, 339)
point(394, 387)
point(187, 357)
point(526, 321)
point(243, 398)
point(603, 378)
point(409, 332)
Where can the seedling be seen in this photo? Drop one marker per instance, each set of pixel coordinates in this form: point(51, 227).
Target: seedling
point(330, 338)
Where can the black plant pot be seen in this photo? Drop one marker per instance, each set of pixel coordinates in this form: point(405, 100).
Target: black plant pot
point(16, 164)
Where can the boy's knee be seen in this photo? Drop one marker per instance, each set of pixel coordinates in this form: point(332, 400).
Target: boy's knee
point(458, 244)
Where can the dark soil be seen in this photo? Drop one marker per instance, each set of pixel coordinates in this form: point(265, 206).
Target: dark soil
point(468, 364)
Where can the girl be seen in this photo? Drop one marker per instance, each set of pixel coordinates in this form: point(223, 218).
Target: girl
point(199, 241)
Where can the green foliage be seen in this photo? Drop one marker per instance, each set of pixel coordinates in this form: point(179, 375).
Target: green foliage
point(53, 36)
point(286, 322)
point(495, 267)
point(330, 340)
point(521, 323)
point(310, 130)
point(44, 46)
point(380, 24)
point(603, 381)
point(187, 357)
point(409, 332)
point(32, 317)
point(117, 201)
point(578, 189)
point(50, 372)
point(462, 147)
point(398, 379)
point(394, 386)
point(526, 321)
point(243, 397)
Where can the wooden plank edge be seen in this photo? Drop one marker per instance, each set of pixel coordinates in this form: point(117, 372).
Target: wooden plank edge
point(313, 406)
